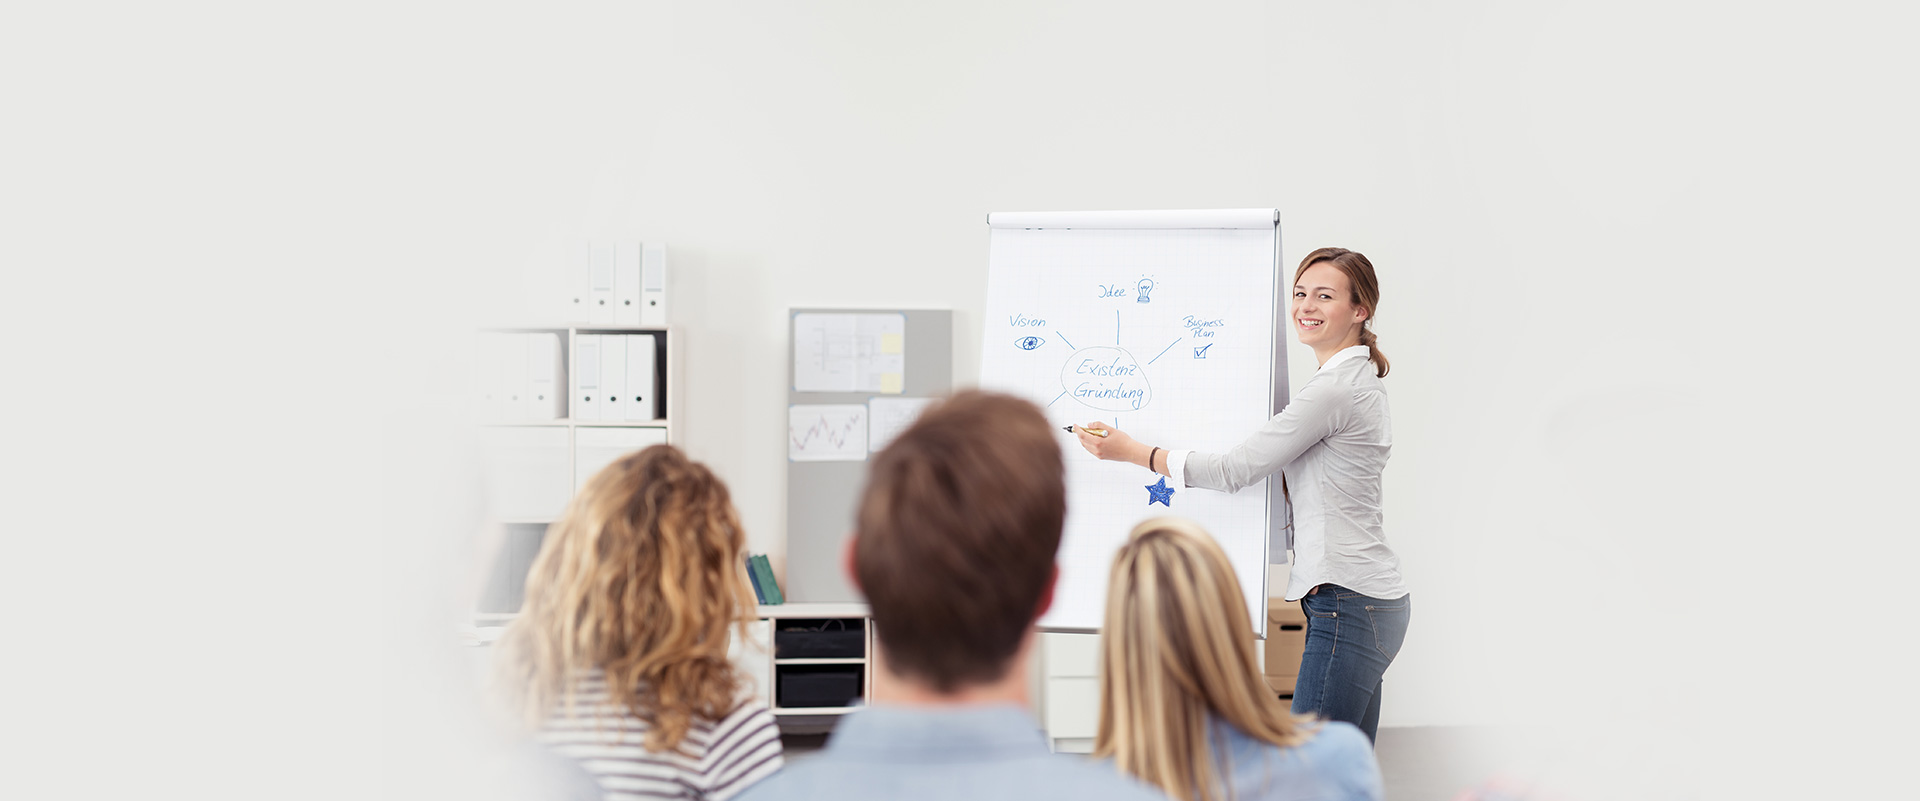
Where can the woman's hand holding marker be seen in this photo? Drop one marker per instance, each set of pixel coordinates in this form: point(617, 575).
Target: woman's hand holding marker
point(1111, 444)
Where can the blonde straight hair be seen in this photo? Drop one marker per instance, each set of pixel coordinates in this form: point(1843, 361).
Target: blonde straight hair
point(1177, 650)
point(641, 578)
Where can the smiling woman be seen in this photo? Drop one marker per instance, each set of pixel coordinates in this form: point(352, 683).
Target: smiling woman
point(1329, 446)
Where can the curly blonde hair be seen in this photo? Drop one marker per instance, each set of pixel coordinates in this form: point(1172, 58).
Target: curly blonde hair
point(640, 578)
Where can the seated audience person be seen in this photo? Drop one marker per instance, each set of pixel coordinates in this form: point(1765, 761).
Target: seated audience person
point(619, 656)
point(954, 549)
point(1183, 706)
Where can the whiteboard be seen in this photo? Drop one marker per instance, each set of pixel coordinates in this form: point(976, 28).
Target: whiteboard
point(1161, 323)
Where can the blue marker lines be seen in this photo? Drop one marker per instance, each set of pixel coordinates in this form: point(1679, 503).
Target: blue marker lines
point(1163, 351)
point(1064, 339)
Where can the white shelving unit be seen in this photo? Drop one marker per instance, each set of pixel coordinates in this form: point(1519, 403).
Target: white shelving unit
point(767, 668)
point(525, 531)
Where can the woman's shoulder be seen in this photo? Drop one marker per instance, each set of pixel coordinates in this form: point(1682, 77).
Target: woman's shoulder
point(1340, 737)
point(1334, 762)
point(1350, 377)
point(748, 721)
point(1343, 755)
point(1328, 745)
point(748, 709)
point(1322, 739)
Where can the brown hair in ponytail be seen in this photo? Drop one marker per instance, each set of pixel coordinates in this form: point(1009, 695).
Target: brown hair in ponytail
point(1366, 293)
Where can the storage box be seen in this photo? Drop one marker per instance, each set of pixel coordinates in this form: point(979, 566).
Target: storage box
point(820, 638)
point(814, 686)
point(1286, 643)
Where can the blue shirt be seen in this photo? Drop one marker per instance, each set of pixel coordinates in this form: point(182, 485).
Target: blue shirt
point(980, 753)
point(1336, 765)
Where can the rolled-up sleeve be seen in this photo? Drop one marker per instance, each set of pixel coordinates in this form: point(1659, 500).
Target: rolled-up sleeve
point(1313, 415)
point(1177, 465)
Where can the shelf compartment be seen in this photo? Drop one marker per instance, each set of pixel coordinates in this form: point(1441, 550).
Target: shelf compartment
point(818, 686)
point(820, 638)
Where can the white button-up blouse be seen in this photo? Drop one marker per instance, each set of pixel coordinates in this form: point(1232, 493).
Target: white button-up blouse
point(1331, 442)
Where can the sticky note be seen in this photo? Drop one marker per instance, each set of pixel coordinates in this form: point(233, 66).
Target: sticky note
point(890, 383)
point(891, 343)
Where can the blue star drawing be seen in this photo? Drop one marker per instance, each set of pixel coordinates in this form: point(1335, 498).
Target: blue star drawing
point(1160, 493)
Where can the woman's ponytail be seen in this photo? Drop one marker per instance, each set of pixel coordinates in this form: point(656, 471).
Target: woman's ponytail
point(1374, 355)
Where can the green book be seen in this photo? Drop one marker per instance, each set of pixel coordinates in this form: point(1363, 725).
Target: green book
point(764, 570)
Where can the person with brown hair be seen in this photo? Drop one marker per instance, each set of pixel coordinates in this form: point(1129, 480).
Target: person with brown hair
point(619, 656)
point(954, 548)
point(1182, 703)
point(1329, 447)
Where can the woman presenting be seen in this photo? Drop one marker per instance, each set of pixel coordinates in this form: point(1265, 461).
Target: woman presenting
point(1328, 447)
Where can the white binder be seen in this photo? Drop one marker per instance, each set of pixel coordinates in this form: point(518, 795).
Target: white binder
point(487, 376)
point(595, 448)
point(586, 377)
point(653, 285)
point(600, 286)
point(613, 373)
point(514, 382)
point(544, 388)
point(626, 283)
point(577, 264)
point(640, 400)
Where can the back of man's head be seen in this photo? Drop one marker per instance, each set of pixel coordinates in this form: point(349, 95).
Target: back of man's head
point(957, 532)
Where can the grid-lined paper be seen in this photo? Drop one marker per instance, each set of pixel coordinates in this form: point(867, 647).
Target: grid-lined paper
point(1191, 367)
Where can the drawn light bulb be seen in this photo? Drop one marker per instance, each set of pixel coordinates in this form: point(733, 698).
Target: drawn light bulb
point(1146, 286)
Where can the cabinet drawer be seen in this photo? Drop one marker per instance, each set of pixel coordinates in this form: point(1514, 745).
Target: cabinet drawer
point(1073, 707)
point(1072, 654)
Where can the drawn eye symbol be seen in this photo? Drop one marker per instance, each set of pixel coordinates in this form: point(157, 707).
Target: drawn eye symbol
point(1028, 343)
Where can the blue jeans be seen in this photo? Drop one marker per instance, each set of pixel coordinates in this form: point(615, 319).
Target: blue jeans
point(1351, 639)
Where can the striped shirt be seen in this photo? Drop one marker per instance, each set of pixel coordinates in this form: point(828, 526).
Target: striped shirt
point(717, 760)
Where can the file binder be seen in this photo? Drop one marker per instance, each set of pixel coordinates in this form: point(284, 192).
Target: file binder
point(639, 400)
point(613, 373)
point(487, 376)
point(600, 278)
point(515, 382)
point(586, 377)
point(577, 264)
point(545, 387)
point(626, 283)
point(653, 285)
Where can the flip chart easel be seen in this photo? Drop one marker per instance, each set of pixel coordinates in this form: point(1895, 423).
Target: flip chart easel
point(1163, 323)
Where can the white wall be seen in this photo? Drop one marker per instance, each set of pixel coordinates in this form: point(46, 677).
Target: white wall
point(1495, 167)
point(268, 214)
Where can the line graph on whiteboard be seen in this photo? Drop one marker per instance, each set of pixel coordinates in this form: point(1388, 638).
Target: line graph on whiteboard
point(827, 432)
